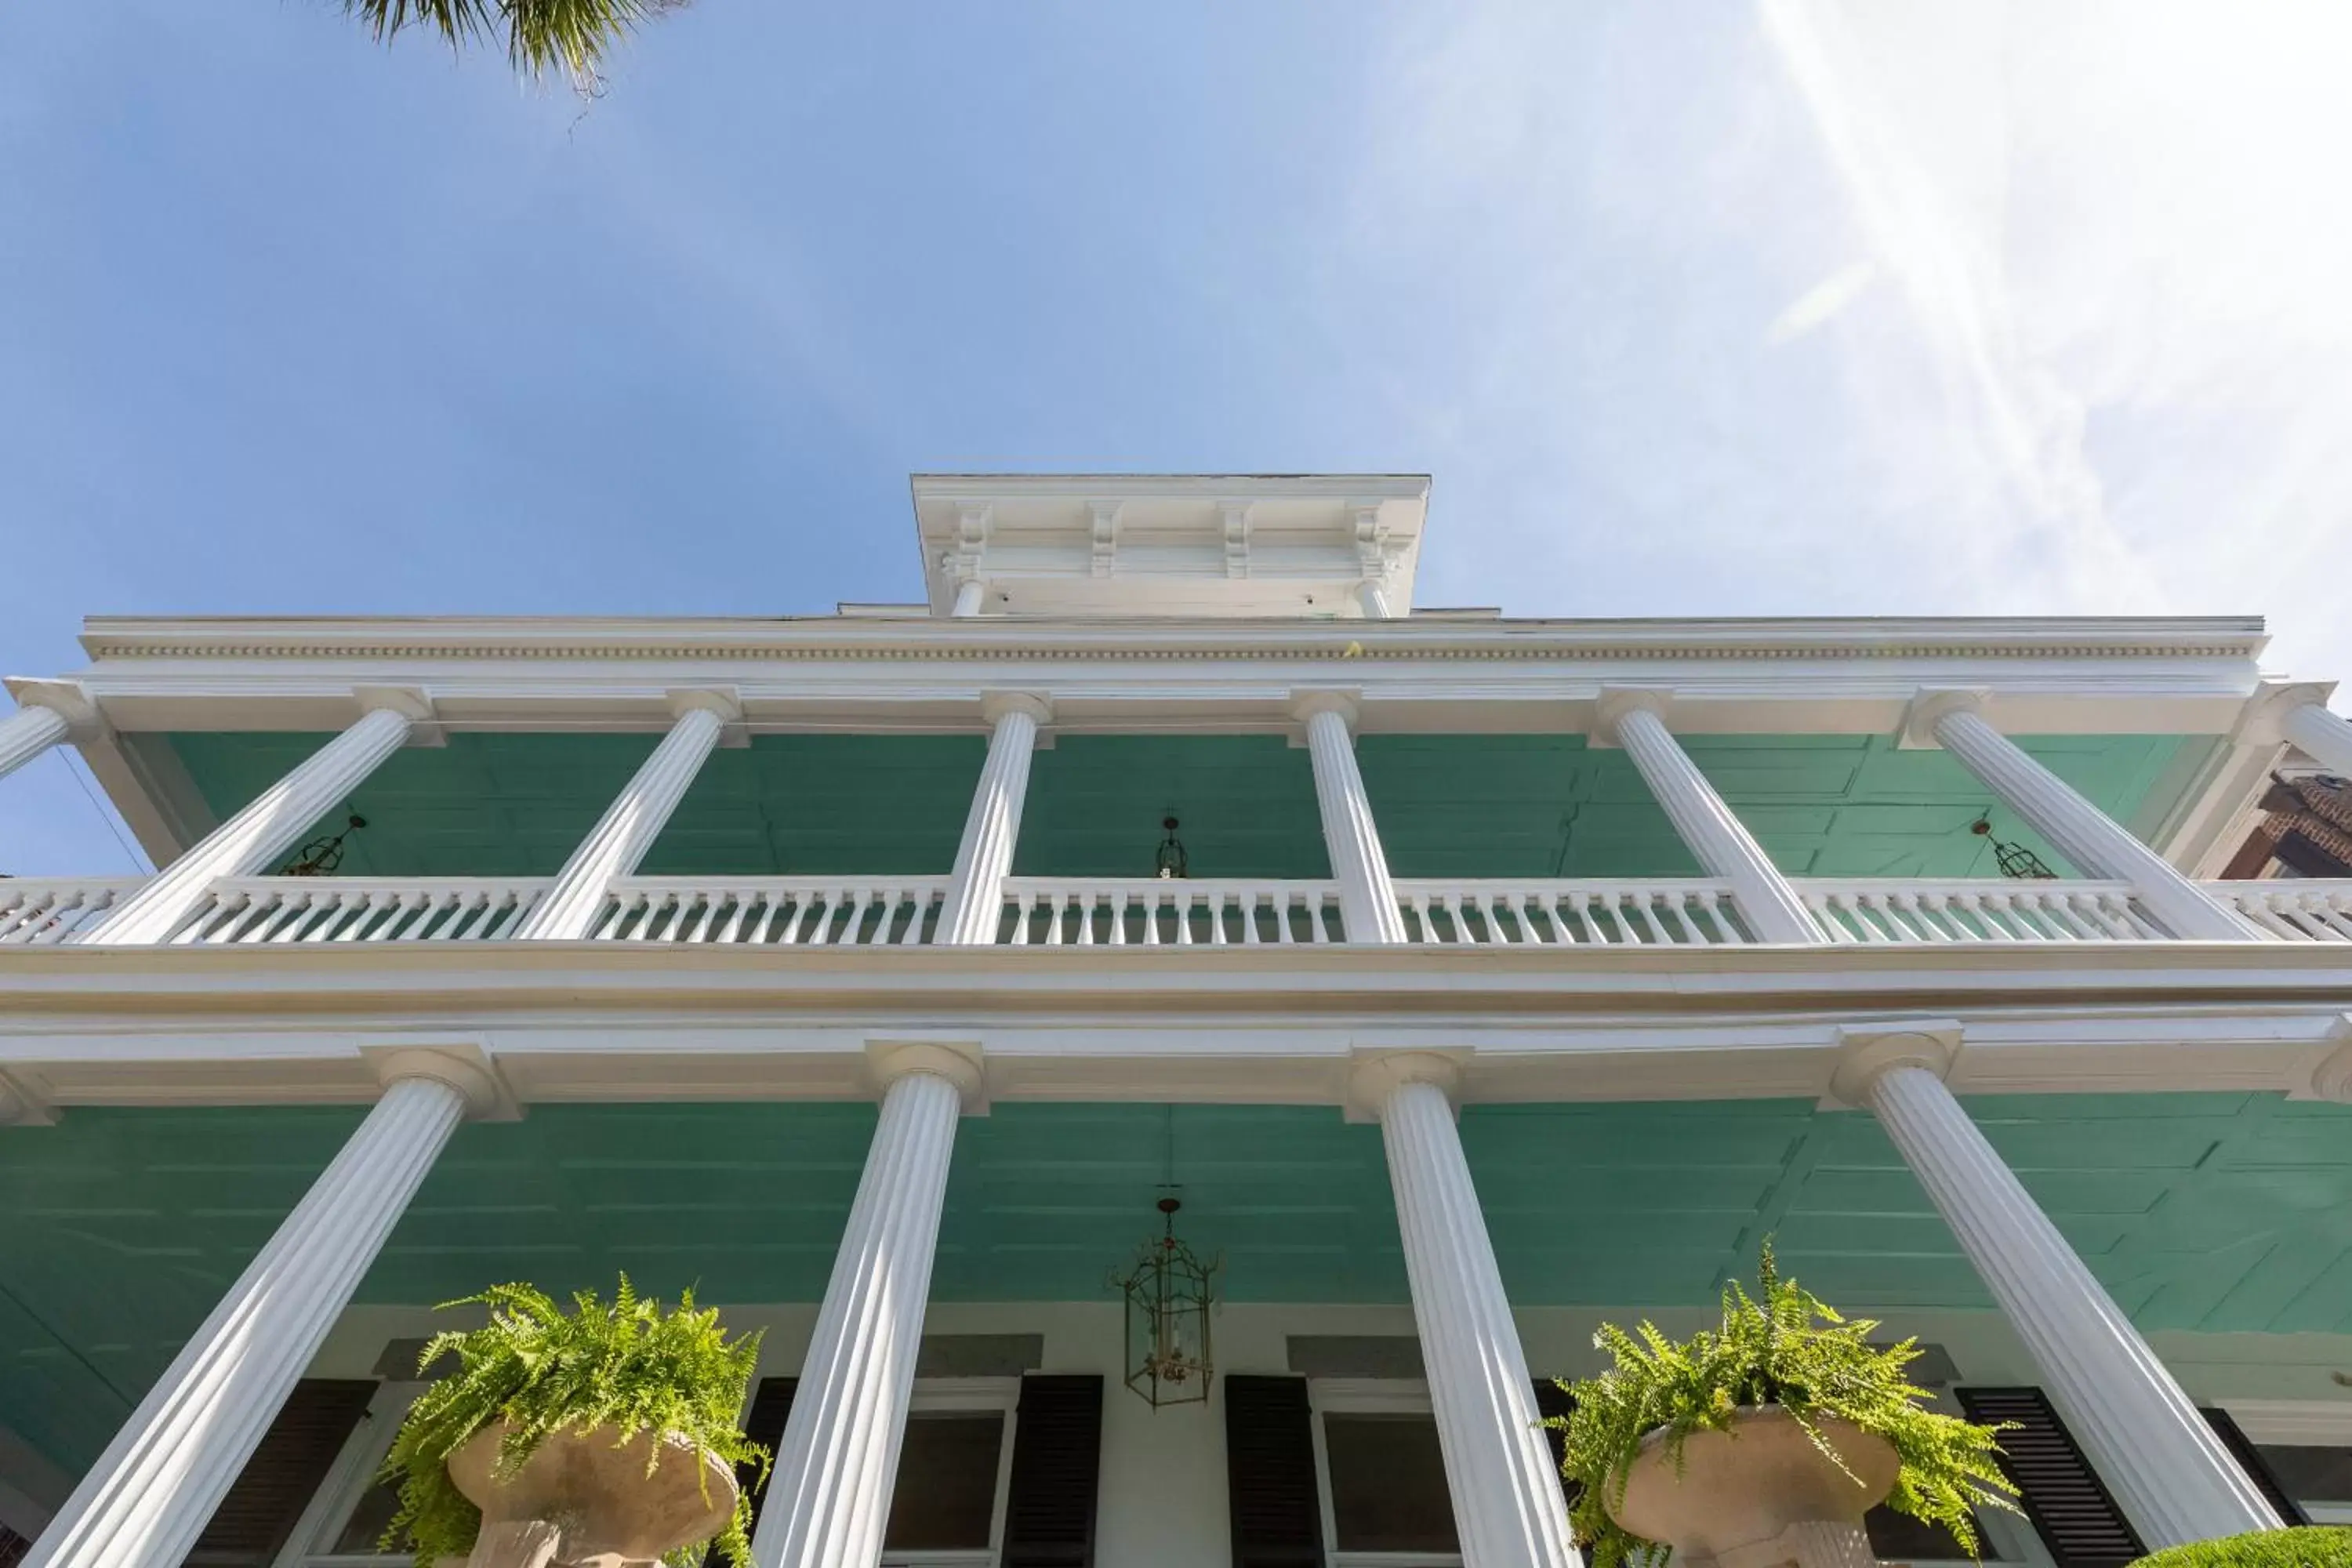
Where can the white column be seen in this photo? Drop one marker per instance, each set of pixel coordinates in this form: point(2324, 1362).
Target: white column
point(969, 594)
point(1507, 1507)
point(1367, 900)
point(976, 899)
point(2168, 1471)
point(2325, 736)
point(628, 828)
point(1374, 600)
point(2095, 843)
point(27, 733)
point(156, 1486)
point(251, 841)
point(1721, 842)
point(829, 1498)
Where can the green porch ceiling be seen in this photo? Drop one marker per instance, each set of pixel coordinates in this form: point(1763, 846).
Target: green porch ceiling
point(1447, 805)
point(120, 1228)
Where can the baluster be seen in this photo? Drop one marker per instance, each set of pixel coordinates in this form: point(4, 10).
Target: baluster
point(1180, 899)
point(733, 929)
point(1920, 921)
point(507, 907)
point(665, 916)
point(2058, 909)
point(32, 920)
point(2329, 919)
point(789, 916)
point(708, 902)
point(473, 914)
point(289, 904)
point(1116, 934)
point(1720, 930)
point(1149, 900)
point(1022, 903)
point(1638, 901)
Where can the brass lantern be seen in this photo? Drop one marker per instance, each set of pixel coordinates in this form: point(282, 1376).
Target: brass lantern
point(1167, 1300)
point(2014, 860)
point(321, 855)
point(1169, 860)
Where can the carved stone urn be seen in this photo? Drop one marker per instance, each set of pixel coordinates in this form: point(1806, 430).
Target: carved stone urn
point(585, 1500)
point(1760, 1495)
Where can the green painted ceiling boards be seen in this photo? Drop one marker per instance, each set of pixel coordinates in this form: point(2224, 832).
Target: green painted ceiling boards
point(1447, 805)
point(119, 1228)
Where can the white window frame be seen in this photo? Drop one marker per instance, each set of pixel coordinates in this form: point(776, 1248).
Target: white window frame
point(353, 1474)
point(1365, 1396)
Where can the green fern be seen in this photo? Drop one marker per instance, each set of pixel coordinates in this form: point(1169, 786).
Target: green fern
point(629, 1365)
point(1782, 1347)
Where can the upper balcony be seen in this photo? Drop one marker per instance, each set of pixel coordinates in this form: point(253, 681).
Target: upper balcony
point(1100, 654)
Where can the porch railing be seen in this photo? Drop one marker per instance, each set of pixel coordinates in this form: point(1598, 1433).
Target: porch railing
point(1061, 911)
point(36, 910)
point(1896, 909)
point(832, 911)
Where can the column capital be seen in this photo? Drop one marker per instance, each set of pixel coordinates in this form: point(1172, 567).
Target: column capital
point(1306, 702)
point(2261, 722)
point(22, 1106)
point(724, 702)
point(1373, 1076)
point(1614, 703)
point(68, 701)
point(1866, 1052)
point(412, 703)
point(463, 1064)
point(960, 1062)
point(1930, 704)
point(995, 705)
point(2332, 1078)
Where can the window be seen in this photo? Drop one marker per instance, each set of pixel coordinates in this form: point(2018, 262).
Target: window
point(947, 1511)
point(1385, 1500)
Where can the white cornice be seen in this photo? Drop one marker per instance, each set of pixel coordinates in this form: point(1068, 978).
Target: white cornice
point(121, 639)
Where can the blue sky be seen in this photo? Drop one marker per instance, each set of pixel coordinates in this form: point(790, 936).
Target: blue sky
point(1690, 308)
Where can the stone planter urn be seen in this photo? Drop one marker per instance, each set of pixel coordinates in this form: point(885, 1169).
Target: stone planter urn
point(1760, 1495)
point(583, 1501)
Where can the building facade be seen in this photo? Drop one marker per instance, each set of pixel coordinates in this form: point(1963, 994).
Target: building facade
point(1469, 981)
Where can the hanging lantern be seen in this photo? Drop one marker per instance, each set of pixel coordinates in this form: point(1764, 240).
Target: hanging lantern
point(2014, 860)
point(321, 855)
point(1168, 1296)
point(1172, 859)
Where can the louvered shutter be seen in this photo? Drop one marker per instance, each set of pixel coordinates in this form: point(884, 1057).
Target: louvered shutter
point(1552, 1403)
point(2070, 1507)
point(285, 1472)
point(1049, 1511)
point(2258, 1470)
point(772, 1405)
point(1277, 1515)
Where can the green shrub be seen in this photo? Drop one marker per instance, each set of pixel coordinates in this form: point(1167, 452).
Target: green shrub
point(2317, 1546)
point(1783, 1347)
point(543, 1370)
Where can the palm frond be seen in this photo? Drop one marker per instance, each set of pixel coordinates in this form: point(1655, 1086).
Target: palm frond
point(570, 35)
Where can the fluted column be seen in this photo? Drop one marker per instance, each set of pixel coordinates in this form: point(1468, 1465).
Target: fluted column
point(627, 829)
point(1507, 1507)
point(975, 898)
point(27, 733)
point(156, 1486)
point(2094, 842)
point(969, 594)
point(1720, 840)
point(1373, 598)
point(1367, 900)
point(251, 841)
point(829, 1498)
point(2325, 736)
point(2168, 1471)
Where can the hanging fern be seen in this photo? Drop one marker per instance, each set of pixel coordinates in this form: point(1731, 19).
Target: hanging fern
point(1783, 1347)
point(628, 1366)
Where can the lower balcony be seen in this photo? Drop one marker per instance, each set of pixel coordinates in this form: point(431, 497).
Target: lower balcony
point(901, 911)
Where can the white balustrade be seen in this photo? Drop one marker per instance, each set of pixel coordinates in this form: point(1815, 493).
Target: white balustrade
point(2292, 909)
point(254, 911)
point(1066, 911)
point(1143, 911)
point(1680, 912)
point(783, 912)
point(1895, 909)
point(36, 910)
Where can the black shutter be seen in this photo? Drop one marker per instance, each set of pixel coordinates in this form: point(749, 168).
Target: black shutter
point(2258, 1470)
point(1049, 1511)
point(771, 1404)
point(1553, 1403)
point(1278, 1514)
point(285, 1472)
point(2071, 1508)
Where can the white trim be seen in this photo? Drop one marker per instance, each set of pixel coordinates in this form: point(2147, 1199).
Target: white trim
point(1366, 1396)
point(2315, 1422)
point(350, 1479)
